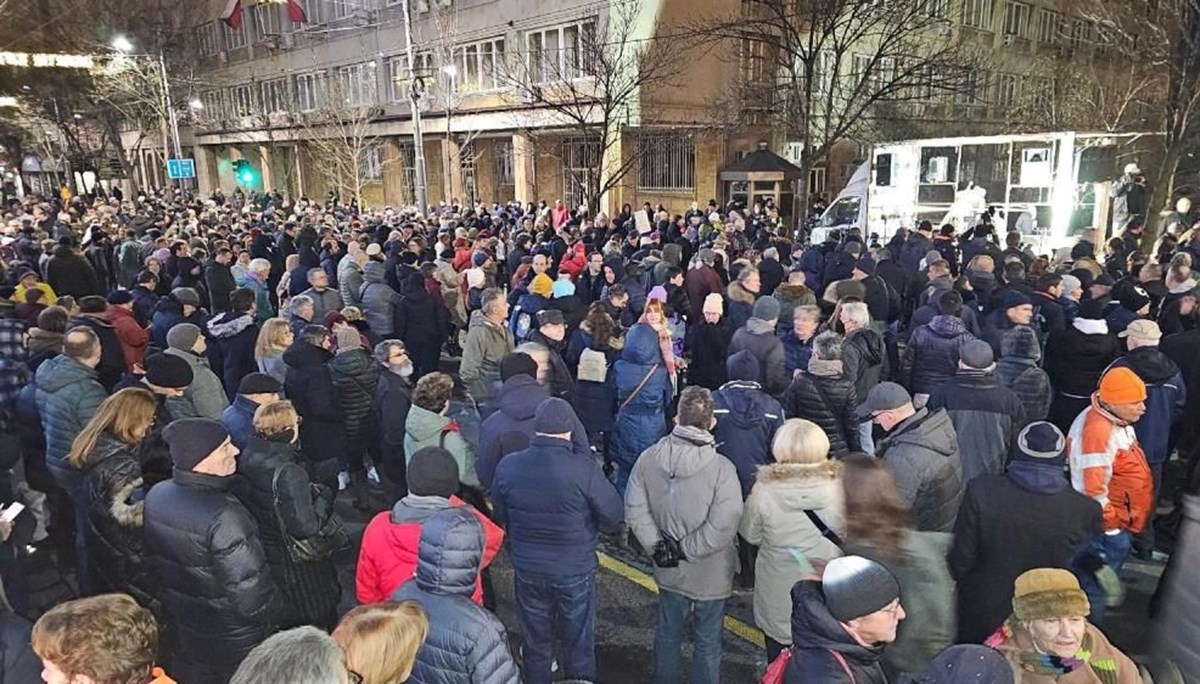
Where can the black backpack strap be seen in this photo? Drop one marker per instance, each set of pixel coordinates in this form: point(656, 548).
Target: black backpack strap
point(823, 528)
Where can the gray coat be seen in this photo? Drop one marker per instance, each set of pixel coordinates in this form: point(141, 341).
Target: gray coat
point(350, 281)
point(922, 455)
point(466, 643)
point(205, 397)
point(759, 338)
point(683, 488)
point(1179, 618)
point(379, 301)
point(323, 302)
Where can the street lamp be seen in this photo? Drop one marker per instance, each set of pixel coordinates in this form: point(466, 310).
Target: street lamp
point(195, 103)
point(121, 44)
point(125, 47)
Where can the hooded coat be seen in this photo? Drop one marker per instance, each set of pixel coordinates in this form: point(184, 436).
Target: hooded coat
point(1166, 397)
point(825, 395)
point(71, 274)
point(864, 356)
point(1027, 518)
point(790, 297)
point(747, 418)
point(987, 417)
point(67, 396)
point(739, 305)
point(681, 487)
point(205, 397)
point(355, 376)
point(216, 586)
point(310, 388)
point(311, 589)
point(466, 644)
point(168, 313)
point(485, 347)
point(134, 338)
point(232, 338)
point(641, 414)
point(1076, 357)
point(379, 301)
point(350, 280)
point(516, 403)
point(1017, 369)
point(758, 337)
point(816, 633)
point(424, 428)
point(922, 455)
point(775, 522)
point(932, 354)
point(115, 491)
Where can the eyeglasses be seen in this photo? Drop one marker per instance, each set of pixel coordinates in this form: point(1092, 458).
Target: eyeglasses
point(353, 677)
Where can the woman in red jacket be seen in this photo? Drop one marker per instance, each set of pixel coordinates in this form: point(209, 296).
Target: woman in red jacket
point(388, 557)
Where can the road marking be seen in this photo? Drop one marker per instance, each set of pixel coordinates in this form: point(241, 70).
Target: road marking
point(735, 626)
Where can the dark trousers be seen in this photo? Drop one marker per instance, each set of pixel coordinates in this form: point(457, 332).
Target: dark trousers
point(774, 648)
point(561, 609)
point(72, 485)
point(674, 611)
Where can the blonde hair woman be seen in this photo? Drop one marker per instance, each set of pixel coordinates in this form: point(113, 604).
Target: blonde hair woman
point(794, 514)
point(381, 640)
point(274, 338)
point(113, 491)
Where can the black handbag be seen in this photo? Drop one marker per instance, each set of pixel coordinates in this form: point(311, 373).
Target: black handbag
point(328, 540)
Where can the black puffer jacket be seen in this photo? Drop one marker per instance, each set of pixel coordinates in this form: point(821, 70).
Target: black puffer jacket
point(355, 376)
point(922, 455)
point(1018, 370)
point(115, 490)
point(931, 357)
point(830, 401)
point(1076, 357)
point(817, 634)
point(311, 590)
point(865, 359)
point(112, 357)
point(309, 385)
point(216, 586)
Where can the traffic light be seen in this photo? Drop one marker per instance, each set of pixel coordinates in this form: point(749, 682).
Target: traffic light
point(244, 171)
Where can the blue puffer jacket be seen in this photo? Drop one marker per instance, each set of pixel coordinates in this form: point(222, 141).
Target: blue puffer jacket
point(553, 500)
point(238, 419)
point(643, 420)
point(747, 418)
point(466, 643)
point(67, 397)
point(1165, 399)
point(931, 357)
point(517, 401)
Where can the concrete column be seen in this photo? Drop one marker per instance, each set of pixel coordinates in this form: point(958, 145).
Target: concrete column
point(267, 173)
point(206, 180)
point(524, 182)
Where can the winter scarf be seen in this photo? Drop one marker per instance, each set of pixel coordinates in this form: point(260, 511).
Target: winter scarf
point(1050, 665)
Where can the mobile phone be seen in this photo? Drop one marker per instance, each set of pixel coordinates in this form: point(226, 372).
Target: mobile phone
point(10, 514)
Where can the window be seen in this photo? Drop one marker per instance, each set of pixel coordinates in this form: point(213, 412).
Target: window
point(816, 181)
point(214, 105)
point(823, 71)
point(242, 99)
point(1016, 18)
point(358, 84)
point(371, 163)
point(1081, 33)
point(974, 90)
point(560, 53)
point(343, 9)
point(936, 9)
point(310, 89)
point(398, 75)
point(408, 172)
point(860, 68)
point(668, 162)
point(210, 39)
point(314, 10)
point(1047, 25)
point(234, 39)
point(1008, 89)
point(753, 62)
point(276, 96)
point(978, 14)
point(504, 164)
point(581, 158)
point(479, 66)
point(268, 20)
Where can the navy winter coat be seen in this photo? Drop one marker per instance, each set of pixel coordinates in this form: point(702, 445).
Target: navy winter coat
point(231, 349)
point(643, 420)
point(816, 634)
point(516, 403)
point(466, 644)
point(238, 419)
point(309, 385)
point(932, 354)
point(1166, 397)
point(553, 499)
point(747, 418)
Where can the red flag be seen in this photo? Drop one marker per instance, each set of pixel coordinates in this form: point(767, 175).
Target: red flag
point(296, 13)
point(232, 16)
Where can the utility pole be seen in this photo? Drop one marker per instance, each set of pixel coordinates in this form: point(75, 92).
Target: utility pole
point(422, 189)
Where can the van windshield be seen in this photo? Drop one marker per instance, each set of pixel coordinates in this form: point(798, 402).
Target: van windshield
point(842, 212)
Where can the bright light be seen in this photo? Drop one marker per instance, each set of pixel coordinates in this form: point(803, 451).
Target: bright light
point(122, 44)
point(78, 117)
point(450, 70)
point(195, 103)
point(8, 101)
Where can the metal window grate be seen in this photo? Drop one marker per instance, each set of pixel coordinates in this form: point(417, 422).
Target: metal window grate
point(667, 162)
point(504, 174)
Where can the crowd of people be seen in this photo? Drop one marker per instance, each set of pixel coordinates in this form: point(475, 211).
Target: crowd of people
point(927, 458)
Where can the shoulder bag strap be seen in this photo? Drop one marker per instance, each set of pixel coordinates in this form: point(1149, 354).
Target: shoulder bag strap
point(845, 667)
point(823, 528)
point(638, 389)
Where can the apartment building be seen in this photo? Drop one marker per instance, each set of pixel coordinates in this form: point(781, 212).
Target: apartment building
point(482, 142)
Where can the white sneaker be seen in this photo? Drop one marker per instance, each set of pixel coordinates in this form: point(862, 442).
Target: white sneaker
point(373, 475)
point(343, 480)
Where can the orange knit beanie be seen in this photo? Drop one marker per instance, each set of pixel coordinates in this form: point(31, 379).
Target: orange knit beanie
point(1122, 386)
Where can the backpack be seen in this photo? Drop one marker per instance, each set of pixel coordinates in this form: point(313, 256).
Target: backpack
point(130, 256)
point(593, 366)
point(522, 324)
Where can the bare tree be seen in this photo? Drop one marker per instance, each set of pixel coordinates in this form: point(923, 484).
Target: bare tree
point(592, 89)
point(1162, 37)
point(1058, 93)
point(340, 139)
point(832, 70)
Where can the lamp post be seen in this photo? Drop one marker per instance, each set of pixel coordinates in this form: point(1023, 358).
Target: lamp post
point(451, 72)
point(415, 91)
point(122, 45)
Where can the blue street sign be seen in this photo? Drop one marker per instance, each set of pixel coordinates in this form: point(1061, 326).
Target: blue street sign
point(181, 168)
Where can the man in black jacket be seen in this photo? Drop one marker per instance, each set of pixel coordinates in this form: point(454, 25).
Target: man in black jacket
point(309, 385)
point(393, 399)
point(217, 589)
point(218, 277)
